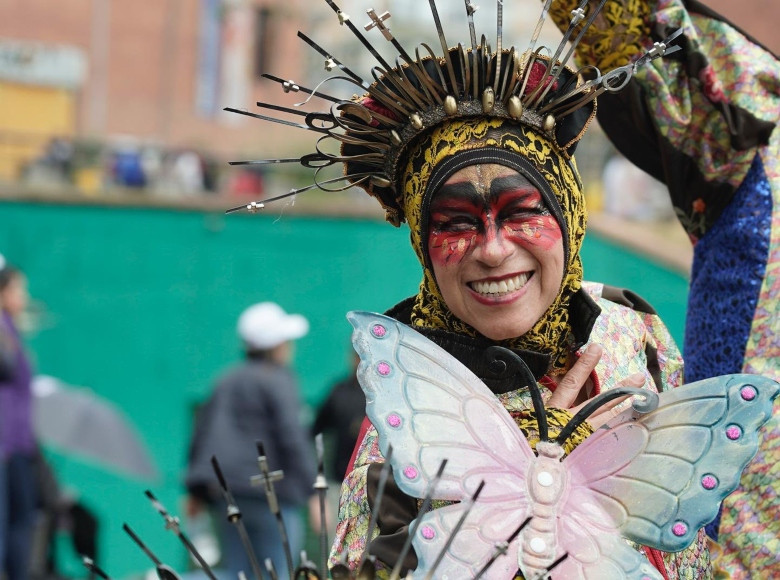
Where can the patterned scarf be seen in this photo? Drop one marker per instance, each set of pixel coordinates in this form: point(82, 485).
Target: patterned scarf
point(543, 164)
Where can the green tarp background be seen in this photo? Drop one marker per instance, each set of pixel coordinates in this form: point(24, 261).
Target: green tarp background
point(140, 306)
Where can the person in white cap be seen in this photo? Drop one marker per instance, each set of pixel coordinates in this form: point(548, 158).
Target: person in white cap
point(257, 400)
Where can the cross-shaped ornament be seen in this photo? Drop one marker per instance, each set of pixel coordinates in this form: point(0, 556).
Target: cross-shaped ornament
point(273, 477)
point(379, 22)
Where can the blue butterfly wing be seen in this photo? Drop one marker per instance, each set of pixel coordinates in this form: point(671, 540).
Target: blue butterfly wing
point(659, 477)
point(430, 407)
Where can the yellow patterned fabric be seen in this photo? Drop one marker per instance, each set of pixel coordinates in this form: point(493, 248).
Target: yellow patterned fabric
point(552, 333)
point(617, 36)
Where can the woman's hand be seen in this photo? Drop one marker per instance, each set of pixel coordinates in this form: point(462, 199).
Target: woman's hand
point(572, 392)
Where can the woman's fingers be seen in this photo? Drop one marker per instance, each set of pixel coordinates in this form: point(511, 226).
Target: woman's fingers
point(612, 409)
point(572, 383)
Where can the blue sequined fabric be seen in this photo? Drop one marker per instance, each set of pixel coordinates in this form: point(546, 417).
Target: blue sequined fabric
point(728, 267)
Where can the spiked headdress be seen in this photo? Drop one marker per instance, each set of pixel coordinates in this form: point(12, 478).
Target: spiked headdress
point(373, 130)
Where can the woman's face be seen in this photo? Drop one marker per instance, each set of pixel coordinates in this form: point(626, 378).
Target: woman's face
point(496, 251)
point(14, 297)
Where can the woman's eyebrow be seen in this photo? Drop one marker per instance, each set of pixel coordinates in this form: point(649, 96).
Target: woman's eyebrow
point(515, 182)
point(460, 191)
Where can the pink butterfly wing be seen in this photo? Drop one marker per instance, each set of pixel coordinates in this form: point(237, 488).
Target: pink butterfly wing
point(484, 527)
point(600, 553)
point(656, 478)
point(430, 407)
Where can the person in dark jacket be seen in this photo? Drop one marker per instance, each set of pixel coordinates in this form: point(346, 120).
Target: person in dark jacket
point(257, 400)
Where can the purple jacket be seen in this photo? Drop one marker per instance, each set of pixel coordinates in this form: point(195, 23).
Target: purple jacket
point(16, 430)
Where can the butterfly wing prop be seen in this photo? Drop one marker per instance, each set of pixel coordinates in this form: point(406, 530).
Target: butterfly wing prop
point(430, 407)
point(661, 476)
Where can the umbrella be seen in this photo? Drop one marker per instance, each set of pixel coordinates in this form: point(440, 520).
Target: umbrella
point(76, 420)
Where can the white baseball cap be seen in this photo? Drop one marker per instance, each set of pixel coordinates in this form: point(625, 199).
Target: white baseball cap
point(266, 325)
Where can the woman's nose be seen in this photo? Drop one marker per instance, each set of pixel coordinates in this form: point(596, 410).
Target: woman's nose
point(494, 249)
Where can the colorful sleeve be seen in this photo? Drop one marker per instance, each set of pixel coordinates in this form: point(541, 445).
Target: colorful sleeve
point(694, 119)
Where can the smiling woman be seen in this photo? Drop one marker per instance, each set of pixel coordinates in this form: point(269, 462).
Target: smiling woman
point(496, 251)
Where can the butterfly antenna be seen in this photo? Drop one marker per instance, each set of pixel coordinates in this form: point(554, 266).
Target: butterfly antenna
point(467, 510)
point(505, 361)
point(234, 517)
point(501, 548)
point(648, 402)
point(163, 572)
point(173, 524)
point(94, 569)
point(380, 492)
point(396, 573)
point(321, 486)
point(267, 479)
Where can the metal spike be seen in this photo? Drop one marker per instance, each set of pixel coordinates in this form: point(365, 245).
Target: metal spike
point(467, 510)
point(444, 47)
point(359, 36)
point(380, 492)
point(286, 86)
point(470, 10)
point(501, 548)
point(329, 56)
point(172, 523)
point(396, 572)
point(234, 517)
point(499, 41)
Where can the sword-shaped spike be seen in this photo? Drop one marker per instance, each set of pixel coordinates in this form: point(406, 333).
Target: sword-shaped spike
point(321, 485)
point(164, 572)
point(358, 35)
point(378, 22)
point(455, 530)
point(470, 10)
point(559, 67)
point(234, 517)
point(267, 479)
point(329, 56)
point(269, 566)
point(273, 120)
point(501, 548)
point(550, 568)
point(445, 48)
point(396, 573)
point(288, 85)
point(539, 25)
point(94, 569)
point(380, 492)
point(499, 42)
point(172, 523)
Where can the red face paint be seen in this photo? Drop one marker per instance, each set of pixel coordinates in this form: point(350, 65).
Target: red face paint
point(461, 218)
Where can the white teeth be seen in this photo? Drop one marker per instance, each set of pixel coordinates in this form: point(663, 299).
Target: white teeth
point(502, 287)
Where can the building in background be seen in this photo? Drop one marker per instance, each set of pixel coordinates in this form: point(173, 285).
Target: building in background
point(140, 74)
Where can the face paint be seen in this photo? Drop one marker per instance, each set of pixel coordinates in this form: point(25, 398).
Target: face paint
point(464, 214)
point(496, 252)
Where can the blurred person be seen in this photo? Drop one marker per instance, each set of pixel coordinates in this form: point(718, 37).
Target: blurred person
point(17, 441)
point(339, 419)
point(257, 400)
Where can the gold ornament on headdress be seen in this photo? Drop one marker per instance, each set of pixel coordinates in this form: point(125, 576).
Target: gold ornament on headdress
point(373, 131)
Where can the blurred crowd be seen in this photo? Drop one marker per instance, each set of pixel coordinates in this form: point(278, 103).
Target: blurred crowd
point(93, 167)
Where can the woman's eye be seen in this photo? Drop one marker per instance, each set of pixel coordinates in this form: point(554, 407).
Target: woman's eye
point(455, 224)
point(523, 213)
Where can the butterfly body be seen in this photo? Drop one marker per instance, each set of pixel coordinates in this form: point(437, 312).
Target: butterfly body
point(546, 483)
point(654, 478)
